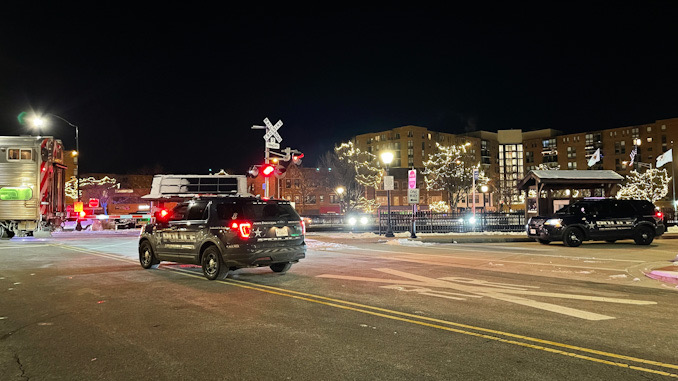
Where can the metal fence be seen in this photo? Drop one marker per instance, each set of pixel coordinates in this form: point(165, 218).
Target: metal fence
point(429, 222)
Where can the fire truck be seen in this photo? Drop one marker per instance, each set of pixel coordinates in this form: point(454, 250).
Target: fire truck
point(32, 184)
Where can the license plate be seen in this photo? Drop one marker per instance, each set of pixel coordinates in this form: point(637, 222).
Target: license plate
point(281, 232)
point(533, 231)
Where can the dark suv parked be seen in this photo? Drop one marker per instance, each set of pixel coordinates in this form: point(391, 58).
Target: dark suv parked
point(225, 233)
point(599, 220)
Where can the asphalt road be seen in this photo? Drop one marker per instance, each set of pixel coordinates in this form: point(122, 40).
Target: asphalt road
point(79, 307)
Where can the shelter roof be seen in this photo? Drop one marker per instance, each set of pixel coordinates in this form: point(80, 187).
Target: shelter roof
point(570, 178)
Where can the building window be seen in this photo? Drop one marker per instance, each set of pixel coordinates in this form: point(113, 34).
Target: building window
point(529, 157)
point(649, 129)
point(571, 153)
point(310, 199)
point(321, 198)
point(410, 134)
point(297, 199)
point(571, 165)
point(288, 183)
point(410, 144)
point(297, 183)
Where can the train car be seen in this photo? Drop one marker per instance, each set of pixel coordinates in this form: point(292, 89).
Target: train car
point(32, 185)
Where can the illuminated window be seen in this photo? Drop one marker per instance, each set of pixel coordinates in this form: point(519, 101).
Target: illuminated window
point(22, 154)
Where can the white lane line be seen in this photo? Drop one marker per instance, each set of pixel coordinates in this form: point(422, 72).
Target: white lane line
point(463, 248)
point(439, 263)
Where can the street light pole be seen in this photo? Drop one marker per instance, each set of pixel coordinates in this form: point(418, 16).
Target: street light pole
point(77, 157)
point(387, 157)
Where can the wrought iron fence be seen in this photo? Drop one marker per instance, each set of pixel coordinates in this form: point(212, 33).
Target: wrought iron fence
point(429, 222)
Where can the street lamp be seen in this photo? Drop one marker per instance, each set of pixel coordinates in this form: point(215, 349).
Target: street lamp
point(340, 191)
point(484, 189)
point(387, 158)
point(39, 122)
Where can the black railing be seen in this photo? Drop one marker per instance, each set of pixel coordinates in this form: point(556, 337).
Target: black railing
point(429, 222)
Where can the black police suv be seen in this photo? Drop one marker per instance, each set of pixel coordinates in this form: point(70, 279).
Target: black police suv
point(225, 233)
point(599, 219)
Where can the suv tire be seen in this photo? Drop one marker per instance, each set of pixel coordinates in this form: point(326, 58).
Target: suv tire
point(212, 266)
point(280, 267)
point(573, 237)
point(147, 257)
point(644, 235)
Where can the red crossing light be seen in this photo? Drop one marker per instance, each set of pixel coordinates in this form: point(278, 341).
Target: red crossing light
point(267, 170)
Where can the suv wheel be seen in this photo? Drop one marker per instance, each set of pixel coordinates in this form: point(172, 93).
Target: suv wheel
point(573, 237)
point(644, 236)
point(212, 267)
point(146, 256)
point(281, 267)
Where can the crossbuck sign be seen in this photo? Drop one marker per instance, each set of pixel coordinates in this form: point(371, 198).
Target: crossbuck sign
point(272, 134)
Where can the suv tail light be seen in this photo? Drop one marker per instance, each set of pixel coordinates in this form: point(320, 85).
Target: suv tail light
point(243, 228)
point(303, 227)
point(659, 214)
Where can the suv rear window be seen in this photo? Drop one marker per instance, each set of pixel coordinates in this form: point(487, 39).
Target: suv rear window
point(269, 211)
point(644, 207)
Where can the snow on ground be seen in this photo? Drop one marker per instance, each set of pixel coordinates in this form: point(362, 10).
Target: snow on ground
point(313, 244)
point(407, 242)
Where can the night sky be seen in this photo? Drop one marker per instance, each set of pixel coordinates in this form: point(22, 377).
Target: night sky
point(177, 88)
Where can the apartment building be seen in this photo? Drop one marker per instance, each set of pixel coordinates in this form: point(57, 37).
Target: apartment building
point(506, 156)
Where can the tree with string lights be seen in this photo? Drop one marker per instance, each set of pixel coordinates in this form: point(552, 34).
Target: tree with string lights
point(451, 170)
point(651, 185)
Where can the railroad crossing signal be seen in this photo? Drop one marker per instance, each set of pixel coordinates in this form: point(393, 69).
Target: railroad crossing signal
point(272, 131)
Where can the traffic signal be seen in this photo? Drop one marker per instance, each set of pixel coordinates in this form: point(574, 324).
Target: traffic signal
point(296, 159)
point(267, 170)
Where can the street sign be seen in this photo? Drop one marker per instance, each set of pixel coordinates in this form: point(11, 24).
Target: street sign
point(273, 145)
point(388, 183)
point(413, 196)
point(412, 178)
point(475, 173)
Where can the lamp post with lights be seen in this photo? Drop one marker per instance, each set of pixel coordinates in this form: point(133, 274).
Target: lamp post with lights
point(387, 158)
point(39, 122)
point(340, 191)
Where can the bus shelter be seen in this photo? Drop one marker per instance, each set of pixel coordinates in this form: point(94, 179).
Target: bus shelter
point(546, 191)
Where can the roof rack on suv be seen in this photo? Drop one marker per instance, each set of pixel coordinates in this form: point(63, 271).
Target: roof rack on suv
point(186, 186)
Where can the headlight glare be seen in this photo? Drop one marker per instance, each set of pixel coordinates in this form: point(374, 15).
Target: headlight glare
point(555, 222)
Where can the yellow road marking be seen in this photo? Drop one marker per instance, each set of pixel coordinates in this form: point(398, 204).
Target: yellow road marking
point(424, 321)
